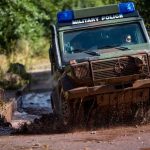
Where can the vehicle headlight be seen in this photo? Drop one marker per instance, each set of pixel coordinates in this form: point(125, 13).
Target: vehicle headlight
point(81, 71)
point(141, 61)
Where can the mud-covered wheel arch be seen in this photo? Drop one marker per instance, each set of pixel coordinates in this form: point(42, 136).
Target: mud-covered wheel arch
point(65, 111)
point(55, 101)
point(61, 106)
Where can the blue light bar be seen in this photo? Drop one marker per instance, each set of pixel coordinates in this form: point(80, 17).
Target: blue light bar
point(125, 8)
point(65, 16)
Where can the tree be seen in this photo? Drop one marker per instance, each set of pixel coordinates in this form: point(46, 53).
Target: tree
point(141, 5)
point(19, 19)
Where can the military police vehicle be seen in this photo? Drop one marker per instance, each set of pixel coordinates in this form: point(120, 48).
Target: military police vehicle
point(100, 58)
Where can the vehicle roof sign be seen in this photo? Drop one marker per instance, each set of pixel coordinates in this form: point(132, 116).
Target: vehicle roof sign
point(121, 8)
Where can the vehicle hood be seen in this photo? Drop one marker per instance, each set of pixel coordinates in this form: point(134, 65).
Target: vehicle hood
point(113, 53)
point(133, 49)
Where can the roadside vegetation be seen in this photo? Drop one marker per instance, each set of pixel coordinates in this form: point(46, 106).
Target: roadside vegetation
point(24, 29)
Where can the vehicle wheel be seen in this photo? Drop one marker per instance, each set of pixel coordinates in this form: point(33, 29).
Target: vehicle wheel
point(53, 102)
point(61, 107)
point(66, 113)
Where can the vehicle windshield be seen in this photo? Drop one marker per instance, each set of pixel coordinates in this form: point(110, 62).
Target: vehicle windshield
point(102, 38)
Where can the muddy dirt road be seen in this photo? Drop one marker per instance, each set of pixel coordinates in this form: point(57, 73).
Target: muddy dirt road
point(119, 138)
point(112, 138)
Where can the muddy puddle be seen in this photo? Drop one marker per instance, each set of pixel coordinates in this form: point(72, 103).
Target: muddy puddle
point(34, 115)
point(36, 103)
point(31, 106)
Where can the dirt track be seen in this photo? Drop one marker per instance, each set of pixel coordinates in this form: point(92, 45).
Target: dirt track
point(119, 138)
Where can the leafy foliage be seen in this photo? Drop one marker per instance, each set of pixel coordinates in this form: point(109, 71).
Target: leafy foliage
point(20, 19)
point(30, 19)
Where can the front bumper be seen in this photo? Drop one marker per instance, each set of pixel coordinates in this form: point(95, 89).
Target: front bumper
point(140, 88)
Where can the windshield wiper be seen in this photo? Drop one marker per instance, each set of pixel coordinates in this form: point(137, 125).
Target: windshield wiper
point(116, 47)
point(93, 53)
point(107, 46)
point(123, 48)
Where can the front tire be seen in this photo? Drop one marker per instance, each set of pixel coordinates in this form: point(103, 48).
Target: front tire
point(65, 111)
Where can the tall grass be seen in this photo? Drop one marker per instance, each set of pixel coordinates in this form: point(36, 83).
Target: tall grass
point(3, 66)
point(28, 53)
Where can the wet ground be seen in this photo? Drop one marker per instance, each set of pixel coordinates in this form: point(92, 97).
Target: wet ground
point(35, 135)
point(119, 138)
point(30, 106)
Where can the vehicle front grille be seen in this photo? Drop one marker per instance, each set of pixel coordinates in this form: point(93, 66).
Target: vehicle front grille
point(119, 67)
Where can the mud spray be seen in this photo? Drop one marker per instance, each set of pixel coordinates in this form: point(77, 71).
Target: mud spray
point(38, 118)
